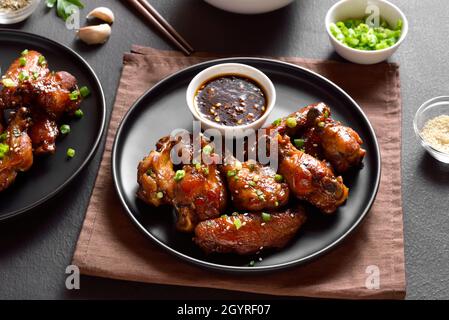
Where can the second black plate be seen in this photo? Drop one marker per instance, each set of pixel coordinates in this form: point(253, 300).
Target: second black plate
point(164, 108)
point(49, 174)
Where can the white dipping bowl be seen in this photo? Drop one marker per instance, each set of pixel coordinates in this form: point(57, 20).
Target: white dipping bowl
point(352, 9)
point(249, 6)
point(227, 69)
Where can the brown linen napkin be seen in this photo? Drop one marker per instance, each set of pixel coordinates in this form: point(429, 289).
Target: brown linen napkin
point(111, 246)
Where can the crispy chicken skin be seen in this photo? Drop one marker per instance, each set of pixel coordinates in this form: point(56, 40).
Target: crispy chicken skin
point(253, 187)
point(199, 195)
point(310, 179)
point(325, 138)
point(19, 158)
point(221, 235)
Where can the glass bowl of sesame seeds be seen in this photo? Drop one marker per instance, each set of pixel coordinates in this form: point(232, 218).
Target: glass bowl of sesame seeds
point(15, 11)
point(431, 126)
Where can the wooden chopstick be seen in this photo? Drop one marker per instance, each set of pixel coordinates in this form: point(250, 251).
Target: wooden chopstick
point(149, 13)
point(164, 22)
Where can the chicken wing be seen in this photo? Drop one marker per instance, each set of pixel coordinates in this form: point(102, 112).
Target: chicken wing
point(28, 82)
point(196, 190)
point(54, 94)
point(324, 137)
point(340, 145)
point(19, 156)
point(254, 187)
point(155, 175)
point(310, 179)
point(19, 78)
point(246, 234)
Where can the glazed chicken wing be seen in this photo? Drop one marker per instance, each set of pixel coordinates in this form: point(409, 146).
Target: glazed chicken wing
point(19, 157)
point(19, 78)
point(251, 233)
point(324, 137)
point(28, 81)
point(254, 187)
point(155, 175)
point(196, 190)
point(340, 145)
point(310, 179)
point(54, 94)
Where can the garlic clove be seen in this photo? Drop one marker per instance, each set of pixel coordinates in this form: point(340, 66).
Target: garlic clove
point(102, 13)
point(95, 34)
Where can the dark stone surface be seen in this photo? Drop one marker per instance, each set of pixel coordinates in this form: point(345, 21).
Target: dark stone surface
point(36, 248)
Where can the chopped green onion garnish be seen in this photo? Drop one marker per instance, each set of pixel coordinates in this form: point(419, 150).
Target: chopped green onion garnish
point(276, 203)
point(65, 129)
point(252, 183)
point(8, 83)
point(277, 122)
point(70, 152)
point(179, 175)
point(321, 124)
point(42, 60)
point(22, 61)
point(79, 113)
point(23, 75)
point(3, 136)
point(159, 195)
point(25, 52)
point(208, 149)
point(231, 173)
point(299, 143)
point(206, 171)
point(278, 178)
point(150, 173)
point(35, 75)
point(198, 166)
point(252, 263)
point(326, 114)
point(291, 122)
point(356, 34)
point(4, 148)
point(237, 223)
point(74, 95)
point(84, 91)
point(252, 166)
point(266, 217)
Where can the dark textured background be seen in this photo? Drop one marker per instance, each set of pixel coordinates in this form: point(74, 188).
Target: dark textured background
point(36, 248)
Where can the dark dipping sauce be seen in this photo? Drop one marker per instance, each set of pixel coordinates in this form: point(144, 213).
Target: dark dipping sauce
point(231, 100)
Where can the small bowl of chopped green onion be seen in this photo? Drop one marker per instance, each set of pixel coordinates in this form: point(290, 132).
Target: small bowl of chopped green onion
point(366, 31)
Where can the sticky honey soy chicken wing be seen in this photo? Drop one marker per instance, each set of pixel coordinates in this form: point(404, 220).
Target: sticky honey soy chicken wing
point(249, 233)
point(18, 80)
point(310, 179)
point(254, 187)
point(16, 151)
point(196, 190)
point(340, 145)
point(321, 136)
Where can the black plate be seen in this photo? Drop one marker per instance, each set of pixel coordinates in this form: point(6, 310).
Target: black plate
point(52, 173)
point(163, 108)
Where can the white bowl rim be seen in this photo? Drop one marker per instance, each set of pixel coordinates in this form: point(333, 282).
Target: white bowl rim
point(373, 52)
point(415, 123)
point(270, 106)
